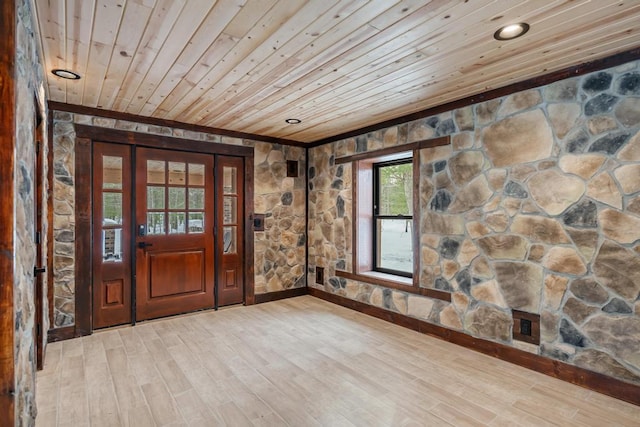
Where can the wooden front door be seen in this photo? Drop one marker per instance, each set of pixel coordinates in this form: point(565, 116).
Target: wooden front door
point(230, 229)
point(174, 232)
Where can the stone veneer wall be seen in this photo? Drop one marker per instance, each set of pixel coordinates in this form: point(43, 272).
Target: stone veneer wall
point(279, 250)
point(534, 206)
point(29, 81)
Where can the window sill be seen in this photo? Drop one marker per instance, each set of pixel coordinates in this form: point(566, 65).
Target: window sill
point(400, 283)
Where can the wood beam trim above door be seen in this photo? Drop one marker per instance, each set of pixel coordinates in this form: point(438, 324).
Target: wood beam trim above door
point(160, 141)
point(79, 109)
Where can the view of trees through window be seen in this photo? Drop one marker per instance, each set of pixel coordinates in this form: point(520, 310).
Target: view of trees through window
point(393, 217)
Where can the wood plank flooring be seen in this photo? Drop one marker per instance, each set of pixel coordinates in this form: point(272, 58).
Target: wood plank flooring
point(299, 362)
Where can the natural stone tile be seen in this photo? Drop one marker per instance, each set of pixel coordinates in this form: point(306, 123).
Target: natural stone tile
point(419, 130)
point(619, 335)
point(522, 172)
point(628, 84)
point(599, 361)
point(496, 178)
point(600, 104)
point(486, 111)
point(600, 124)
point(583, 165)
point(465, 166)
point(468, 252)
point(587, 289)
point(481, 268)
point(449, 269)
point(631, 152)
point(520, 284)
point(571, 335)
point(450, 318)
point(561, 91)
point(474, 194)
point(376, 298)
point(442, 284)
point(597, 82)
point(443, 224)
point(539, 229)
point(536, 253)
point(577, 310)
point(577, 141)
point(619, 226)
point(583, 215)
point(629, 178)
point(555, 192)
point(400, 301)
point(618, 269)
point(429, 155)
point(610, 143)
point(549, 326)
point(628, 112)
point(477, 229)
point(460, 301)
point(563, 117)
point(617, 306)
point(510, 247)
point(604, 189)
point(508, 142)
point(511, 205)
point(464, 118)
point(429, 256)
point(564, 260)
point(488, 292)
point(462, 141)
point(491, 205)
point(547, 164)
point(488, 322)
point(586, 241)
point(520, 101)
point(516, 190)
point(419, 307)
point(498, 221)
point(554, 290)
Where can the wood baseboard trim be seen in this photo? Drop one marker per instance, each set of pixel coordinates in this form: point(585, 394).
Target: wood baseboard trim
point(275, 296)
point(573, 374)
point(64, 333)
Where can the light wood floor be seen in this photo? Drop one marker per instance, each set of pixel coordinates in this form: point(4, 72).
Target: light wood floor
point(298, 362)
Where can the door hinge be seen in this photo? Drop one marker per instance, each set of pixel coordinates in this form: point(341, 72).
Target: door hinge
point(38, 237)
point(38, 331)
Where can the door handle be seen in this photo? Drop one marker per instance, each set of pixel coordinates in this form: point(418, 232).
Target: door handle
point(144, 245)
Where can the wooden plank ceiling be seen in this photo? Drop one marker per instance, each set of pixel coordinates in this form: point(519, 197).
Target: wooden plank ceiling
point(337, 65)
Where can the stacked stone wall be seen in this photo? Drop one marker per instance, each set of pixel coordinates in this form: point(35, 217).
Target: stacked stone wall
point(534, 206)
point(279, 257)
point(29, 82)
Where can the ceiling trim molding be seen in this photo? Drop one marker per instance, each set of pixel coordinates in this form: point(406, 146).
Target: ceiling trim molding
point(573, 71)
point(90, 111)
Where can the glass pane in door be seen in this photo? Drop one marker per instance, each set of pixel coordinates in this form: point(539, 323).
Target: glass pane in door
point(229, 180)
point(229, 240)
point(155, 172)
point(230, 210)
point(111, 173)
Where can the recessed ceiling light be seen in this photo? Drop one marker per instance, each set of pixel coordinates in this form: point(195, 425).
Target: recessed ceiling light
point(511, 32)
point(66, 74)
point(293, 121)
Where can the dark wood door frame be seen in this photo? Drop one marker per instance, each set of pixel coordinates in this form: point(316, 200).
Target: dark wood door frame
point(85, 136)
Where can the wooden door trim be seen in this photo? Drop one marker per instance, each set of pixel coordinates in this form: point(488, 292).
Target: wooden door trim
point(249, 276)
point(85, 136)
point(7, 209)
point(83, 261)
point(160, 141)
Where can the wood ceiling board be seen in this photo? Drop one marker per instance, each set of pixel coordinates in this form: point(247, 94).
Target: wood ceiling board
point(157, 30)
point(194, 52)
point(126, 45)
point(246, 65)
